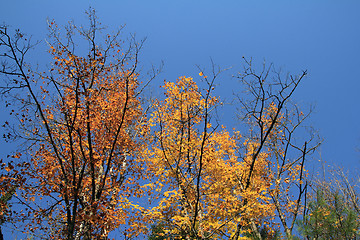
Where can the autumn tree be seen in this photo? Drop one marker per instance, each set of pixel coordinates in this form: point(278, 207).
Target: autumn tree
point(198, 174)
point(83, 125)
point(88, 145)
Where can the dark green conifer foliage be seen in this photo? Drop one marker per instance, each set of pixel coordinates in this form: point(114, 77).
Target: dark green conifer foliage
point(329, 217)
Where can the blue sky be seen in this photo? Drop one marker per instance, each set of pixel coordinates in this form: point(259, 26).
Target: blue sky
point(320, 36)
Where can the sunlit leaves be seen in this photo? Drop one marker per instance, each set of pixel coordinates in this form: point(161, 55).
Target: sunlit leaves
point(87, 128)
point(91, 151)
point(198, 167)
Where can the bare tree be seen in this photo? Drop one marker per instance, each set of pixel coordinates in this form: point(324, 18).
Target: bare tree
point(275, 124)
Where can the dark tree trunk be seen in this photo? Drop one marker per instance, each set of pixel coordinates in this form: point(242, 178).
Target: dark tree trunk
point(1, 235)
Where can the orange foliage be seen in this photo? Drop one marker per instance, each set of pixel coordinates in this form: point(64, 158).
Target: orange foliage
point(91, 150)
point(90, 128)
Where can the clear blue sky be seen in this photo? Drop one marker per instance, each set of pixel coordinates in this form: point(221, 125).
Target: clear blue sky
point(322, 36)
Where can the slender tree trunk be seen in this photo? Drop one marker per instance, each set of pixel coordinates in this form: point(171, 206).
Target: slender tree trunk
point(1, 235)
point(255, 229)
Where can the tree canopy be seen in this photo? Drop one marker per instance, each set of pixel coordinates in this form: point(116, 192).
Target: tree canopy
point(98, 157)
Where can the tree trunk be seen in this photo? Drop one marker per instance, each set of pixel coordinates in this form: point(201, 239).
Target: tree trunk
point(1, 235)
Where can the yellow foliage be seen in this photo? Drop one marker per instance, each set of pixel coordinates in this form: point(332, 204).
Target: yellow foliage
point(199, 168)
